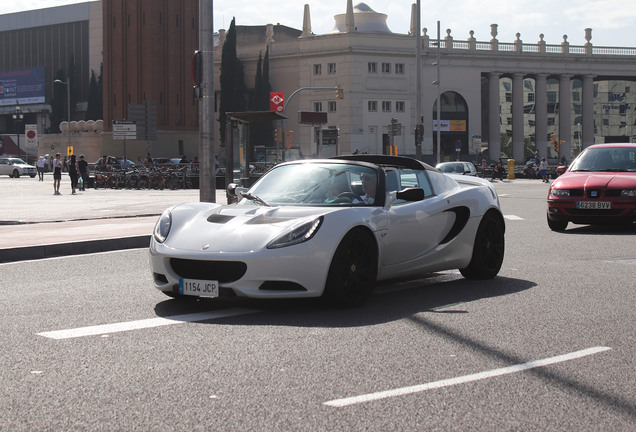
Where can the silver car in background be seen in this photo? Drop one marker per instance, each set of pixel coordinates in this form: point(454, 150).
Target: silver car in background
point(15, 167)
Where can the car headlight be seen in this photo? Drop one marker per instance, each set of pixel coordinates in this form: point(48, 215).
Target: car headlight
point(296, 235)
point(631, 193)
point(162, 228)
point(560, 192)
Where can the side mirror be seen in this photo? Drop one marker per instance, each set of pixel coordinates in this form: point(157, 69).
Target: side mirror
point(561, 169)
point(235, 190)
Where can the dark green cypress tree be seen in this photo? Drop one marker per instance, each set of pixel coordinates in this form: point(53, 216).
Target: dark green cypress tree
point(92, 109)
point(232, 79)
point(268, 127)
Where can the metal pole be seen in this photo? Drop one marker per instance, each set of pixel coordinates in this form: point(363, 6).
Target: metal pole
point(68, 109)
point(418, 65)
point(439, 102)
point(207, 174)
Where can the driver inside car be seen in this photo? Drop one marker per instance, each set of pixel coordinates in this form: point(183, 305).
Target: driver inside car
point(369, 183)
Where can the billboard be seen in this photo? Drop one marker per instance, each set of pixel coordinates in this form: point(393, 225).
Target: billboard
point(22, 86)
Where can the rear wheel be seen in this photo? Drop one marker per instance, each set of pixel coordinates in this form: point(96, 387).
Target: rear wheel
point(557, 225)
point(353, 270)
point(488, 251)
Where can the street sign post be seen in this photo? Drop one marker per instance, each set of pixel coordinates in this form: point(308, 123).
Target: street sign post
point(124, 129)
point(31, 132)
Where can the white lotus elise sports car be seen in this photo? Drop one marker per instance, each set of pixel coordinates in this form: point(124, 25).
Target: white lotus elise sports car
point(332, 228)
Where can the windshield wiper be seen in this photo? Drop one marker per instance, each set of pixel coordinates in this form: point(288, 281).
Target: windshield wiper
point(253, 197)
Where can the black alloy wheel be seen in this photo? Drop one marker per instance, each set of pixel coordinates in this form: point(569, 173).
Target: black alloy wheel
point(353, 270)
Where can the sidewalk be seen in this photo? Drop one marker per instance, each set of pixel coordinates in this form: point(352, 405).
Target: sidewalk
point(36, 224)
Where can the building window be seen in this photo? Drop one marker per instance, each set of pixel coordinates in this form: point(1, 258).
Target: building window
point(400, 106)
point(386, 67)
point(386, 106)
point(372, 106)
point(317, 106)
point(373, 67)
point(331, 106)
point(317, 69)
point(530, 97)
point(331, 68)
point(399, 68)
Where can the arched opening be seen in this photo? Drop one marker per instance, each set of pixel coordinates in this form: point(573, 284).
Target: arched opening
point(453, 126)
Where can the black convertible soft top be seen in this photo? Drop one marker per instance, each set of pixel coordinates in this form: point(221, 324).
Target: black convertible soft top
point(385, 160)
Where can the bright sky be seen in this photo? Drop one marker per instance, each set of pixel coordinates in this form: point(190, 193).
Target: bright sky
point(613, 22)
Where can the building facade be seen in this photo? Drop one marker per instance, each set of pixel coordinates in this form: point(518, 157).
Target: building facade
point(495, 98)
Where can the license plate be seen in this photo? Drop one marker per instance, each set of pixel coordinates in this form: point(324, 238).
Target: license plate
point(197, 287)
point(599, 205)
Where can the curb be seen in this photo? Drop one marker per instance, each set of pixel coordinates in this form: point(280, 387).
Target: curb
point(76, 248)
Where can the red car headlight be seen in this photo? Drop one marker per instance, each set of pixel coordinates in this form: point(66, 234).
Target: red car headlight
point(560, 192)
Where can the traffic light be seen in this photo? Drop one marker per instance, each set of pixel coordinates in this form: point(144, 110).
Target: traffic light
point(69, 150)
point(339, 92)
point(277, 135)
point(288, 139)
point(554, 142)
point(419, 133)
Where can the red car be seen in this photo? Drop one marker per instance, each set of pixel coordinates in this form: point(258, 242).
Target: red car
point(598, 187)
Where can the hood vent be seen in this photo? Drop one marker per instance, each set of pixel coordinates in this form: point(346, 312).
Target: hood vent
point(219, 219)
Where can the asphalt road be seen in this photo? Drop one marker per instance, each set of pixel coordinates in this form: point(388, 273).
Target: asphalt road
point(88, 344)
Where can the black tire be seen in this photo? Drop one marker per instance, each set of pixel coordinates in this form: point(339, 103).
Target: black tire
point(488, 251)
point(32, 175)
point(16, 173)
point(353, 270)
point(557, 225)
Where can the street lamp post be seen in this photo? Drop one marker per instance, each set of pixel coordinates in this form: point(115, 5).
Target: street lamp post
point(17, 119)
point(67, 83)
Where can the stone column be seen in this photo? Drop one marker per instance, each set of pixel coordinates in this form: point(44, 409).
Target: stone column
point(517, 117)
point(541, 113)
point(565, 117)
point(587, 125)
point(494, 116)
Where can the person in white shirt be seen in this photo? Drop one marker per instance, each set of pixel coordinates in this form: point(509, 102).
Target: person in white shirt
point(543, 170)
point(40, 166)
point(369, 184)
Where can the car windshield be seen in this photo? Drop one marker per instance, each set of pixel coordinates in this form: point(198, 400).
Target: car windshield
point(456, 168)
point(610, 159)
point(312, 184)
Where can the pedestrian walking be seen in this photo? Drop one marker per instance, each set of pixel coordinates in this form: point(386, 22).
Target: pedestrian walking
point(82, 165)
point(73, 173)
point(57, 174)
point(543, 170)
point(40, 166)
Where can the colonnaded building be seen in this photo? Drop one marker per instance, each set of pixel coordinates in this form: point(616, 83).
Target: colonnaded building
point(497, 98)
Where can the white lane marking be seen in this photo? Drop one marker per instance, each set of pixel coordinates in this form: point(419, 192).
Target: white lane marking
point(464, 379)
point(513, 217)
point(142, 324)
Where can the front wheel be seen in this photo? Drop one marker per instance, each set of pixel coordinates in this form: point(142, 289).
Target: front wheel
point(488, 251)
point(557, 225)
point(353, 270)
point(16, 173)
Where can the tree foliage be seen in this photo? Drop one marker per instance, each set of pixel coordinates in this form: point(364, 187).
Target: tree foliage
point(232, 79)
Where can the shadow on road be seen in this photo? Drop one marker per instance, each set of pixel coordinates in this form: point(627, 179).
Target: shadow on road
point(390, 302)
